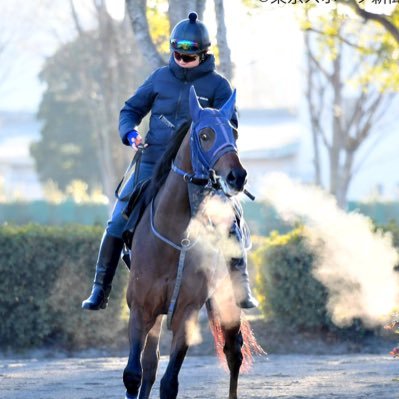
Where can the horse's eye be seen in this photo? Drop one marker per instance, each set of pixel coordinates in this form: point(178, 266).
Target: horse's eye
point(204, 137)
point(207, 137)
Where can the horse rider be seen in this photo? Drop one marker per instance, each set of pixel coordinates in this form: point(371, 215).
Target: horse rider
point(165, 93)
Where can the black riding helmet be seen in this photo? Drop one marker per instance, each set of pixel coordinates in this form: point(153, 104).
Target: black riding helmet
point(190, 36)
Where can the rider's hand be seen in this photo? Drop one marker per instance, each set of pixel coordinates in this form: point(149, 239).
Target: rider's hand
point(134, 139)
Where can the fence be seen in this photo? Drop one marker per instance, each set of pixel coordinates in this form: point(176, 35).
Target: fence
point(261, 217)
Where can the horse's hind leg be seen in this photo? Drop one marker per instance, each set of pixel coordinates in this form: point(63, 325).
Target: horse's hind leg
point(230, 325)
point(132, 374)
point(150, 359)
point(232, 350)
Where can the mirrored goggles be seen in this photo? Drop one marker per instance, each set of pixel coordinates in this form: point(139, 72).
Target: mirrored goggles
point(184, 45)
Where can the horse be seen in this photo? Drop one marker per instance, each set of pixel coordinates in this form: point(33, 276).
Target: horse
point(203, 156)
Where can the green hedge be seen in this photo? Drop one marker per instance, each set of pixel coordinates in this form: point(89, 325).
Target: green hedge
point(289, 295)
point(45, 273)
point(284, 285)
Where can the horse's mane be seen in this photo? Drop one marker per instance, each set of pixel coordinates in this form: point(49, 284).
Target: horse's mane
point(163, 166)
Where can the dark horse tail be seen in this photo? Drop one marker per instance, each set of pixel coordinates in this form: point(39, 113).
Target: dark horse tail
point(250, 346)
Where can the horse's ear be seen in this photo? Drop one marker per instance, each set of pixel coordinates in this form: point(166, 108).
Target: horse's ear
point(228, 108)
point(195, 106)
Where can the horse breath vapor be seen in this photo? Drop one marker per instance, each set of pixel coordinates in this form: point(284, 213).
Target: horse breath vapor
point(355, 262)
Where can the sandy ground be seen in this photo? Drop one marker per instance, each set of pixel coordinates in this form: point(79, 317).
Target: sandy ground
point(273, 376)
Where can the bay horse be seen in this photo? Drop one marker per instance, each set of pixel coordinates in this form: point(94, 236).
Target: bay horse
point(206, 153)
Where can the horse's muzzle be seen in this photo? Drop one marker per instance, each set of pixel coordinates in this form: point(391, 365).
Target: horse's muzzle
point(236, 179)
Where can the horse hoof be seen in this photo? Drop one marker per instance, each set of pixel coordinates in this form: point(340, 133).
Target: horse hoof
point(128, 396)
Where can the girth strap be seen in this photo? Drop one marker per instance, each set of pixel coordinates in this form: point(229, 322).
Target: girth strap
point(176, 290)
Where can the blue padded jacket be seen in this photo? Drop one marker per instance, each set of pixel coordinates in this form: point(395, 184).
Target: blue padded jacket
point(165, 93)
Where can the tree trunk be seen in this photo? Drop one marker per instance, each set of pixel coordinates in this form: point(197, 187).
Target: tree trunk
point(137, 13)
point(314, 110)
point(179, 9)
point(336, 144)
point(226, 66)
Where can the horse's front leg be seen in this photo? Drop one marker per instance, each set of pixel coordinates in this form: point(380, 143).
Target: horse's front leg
point(150, 359)
point(180, 343)
point(132, 374)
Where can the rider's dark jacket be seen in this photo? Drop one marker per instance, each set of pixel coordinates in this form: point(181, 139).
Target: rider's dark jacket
point(165, 93)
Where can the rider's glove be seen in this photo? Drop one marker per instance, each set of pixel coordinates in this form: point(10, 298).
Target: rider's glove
point(134, 138)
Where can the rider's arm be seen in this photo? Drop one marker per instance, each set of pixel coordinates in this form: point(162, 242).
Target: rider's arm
point(136, 108)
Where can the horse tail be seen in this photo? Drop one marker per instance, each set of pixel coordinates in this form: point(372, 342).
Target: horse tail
point(250, 346)
point(215, 325)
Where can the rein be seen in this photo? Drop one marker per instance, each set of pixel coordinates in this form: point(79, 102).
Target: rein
point(201, 180)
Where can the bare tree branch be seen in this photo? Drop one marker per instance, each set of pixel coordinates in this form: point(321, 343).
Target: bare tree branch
point(341, 38)
point(319, 66)
point(75, 18)
point(369, 16)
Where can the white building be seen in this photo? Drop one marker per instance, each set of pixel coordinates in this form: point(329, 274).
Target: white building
point(18, 177)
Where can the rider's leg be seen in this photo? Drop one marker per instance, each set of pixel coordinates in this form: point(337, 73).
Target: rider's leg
point(240, 279)
point(111, 247)
point(238, 267)
point(107, 262)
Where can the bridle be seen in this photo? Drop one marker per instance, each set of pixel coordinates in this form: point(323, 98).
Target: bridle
point(203, 162)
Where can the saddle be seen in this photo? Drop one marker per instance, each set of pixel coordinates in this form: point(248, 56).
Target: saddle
point(134, 210)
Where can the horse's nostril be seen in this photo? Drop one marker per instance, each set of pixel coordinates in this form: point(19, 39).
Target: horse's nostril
point(231, 177)
point(237, 178)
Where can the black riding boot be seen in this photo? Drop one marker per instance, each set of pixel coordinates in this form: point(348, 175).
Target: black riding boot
point(240, 279)
point(107, 262)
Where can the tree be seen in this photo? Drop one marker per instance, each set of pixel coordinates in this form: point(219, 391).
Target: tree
point(348, 92)
point(389, 22)
point(87, 80)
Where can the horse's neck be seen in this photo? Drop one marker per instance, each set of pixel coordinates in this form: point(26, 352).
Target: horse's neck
point(172, 204)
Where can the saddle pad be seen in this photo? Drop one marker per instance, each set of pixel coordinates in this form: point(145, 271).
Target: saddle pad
point(134, 210)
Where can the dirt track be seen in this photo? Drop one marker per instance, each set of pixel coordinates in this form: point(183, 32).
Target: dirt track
point(275, 376)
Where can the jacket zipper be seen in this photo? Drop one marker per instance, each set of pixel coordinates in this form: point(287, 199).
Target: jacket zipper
point(180, 95)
